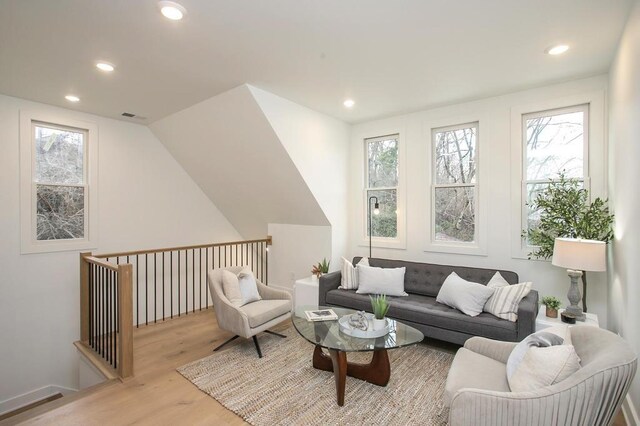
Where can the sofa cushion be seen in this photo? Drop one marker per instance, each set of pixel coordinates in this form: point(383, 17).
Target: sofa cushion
point(425, 310)
point(505, 299)
point(472, 370)
point(387, 281)
point(427, 278)
point(466, 296)
point(263, 311)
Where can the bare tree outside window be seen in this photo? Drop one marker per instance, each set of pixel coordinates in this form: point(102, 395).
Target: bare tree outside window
point(382, 182)
point(60, 182)
point(455, 169)
point(555, 143)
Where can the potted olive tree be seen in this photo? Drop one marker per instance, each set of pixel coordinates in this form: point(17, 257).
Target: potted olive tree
point(565, 211)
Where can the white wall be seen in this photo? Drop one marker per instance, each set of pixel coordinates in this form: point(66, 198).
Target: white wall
point(624, 175)
point(228, 147)
point(295, 249)
point(496, 145)
point(319, 147)
point(146, 200)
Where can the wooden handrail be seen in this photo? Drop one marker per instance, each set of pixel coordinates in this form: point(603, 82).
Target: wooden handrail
point(100, 262)
point(267, 240)
point(162, 282)
point(106, 322)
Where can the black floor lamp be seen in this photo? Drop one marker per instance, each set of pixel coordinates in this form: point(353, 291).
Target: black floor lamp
point(376, 210)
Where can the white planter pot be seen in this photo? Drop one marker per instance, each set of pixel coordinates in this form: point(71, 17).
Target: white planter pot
point(379, 324)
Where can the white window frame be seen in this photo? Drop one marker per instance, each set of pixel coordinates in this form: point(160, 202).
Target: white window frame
point(399, 242)
point(594, 167)
point(479, 246)
point(28, 196)
point(435, 186)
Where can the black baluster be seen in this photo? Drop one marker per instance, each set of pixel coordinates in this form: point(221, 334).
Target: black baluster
point(117, 324)
point(107, 312)
point(146, 289)
point(163, 299)
point(171, 281)
point(193, 280)
point(137, 295)
point(155, 292)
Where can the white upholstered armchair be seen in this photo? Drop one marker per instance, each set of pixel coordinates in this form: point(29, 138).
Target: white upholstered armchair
point(253, 318)
point(478, 393)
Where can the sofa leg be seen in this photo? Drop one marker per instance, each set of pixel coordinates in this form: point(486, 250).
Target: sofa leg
point(255, 340)
point(275, 334)
point(228, 341)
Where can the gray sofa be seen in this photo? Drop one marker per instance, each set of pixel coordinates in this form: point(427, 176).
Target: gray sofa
point(420, 310)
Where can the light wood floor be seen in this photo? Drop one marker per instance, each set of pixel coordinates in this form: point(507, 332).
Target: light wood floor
point(157, 394)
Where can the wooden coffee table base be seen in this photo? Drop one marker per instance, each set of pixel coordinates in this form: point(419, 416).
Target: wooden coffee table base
point(377, 372)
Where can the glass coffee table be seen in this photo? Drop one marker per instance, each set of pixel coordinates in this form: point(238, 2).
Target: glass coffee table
point(327, 335)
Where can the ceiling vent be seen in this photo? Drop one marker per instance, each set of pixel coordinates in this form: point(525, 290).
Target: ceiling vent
point(128, 114)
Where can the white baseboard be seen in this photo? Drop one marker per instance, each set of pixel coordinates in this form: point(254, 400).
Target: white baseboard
point(25, 399)
point(630, 413)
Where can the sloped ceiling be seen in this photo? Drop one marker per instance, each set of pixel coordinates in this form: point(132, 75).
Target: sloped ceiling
point(229, 148)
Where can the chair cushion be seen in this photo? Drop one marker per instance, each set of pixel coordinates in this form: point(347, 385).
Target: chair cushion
point(263, 311)
point(472, 370)
point(542, 359)
point(425, 310)
point(240, 289)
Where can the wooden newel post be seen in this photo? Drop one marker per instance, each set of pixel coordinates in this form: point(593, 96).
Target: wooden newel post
point(125, 320)
point(84, 297)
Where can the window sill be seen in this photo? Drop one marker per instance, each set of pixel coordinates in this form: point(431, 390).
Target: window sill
point(51, 247)
point(389, 244)
point(470, 249)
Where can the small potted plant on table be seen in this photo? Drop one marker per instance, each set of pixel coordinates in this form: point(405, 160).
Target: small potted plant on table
point(321, 268)
point(552, 304)
point(380, 307)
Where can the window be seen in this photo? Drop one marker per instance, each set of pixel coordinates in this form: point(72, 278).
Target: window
point(56, 192)
point(555, 142)
point(382, 182)
point(454, 184)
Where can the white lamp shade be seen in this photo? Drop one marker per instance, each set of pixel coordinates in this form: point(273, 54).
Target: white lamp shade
point(580, 255)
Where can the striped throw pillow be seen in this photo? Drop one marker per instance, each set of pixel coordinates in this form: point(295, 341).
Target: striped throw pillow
point(349, 280)
point(506, 298)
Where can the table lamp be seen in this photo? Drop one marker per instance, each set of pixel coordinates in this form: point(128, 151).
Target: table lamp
point(578, 255)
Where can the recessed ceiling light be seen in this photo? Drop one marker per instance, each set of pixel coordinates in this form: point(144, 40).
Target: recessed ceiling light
point(72, 98)
point(105, 66)
point(557, 50)
point(172, 10)
point(349, 103)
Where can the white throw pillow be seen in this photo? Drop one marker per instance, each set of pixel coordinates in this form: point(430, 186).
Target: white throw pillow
point(542, 359)
point(231, 287)
point(506, 298)
point(248, 287)
point(240, 289)
point(389, 281)
point(466, 296)
point(349, 279)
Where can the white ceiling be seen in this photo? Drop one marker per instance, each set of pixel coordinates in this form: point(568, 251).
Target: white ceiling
point(390, 56)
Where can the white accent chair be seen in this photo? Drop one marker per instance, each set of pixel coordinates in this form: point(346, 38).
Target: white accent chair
point(253, 318)
point(478, 393)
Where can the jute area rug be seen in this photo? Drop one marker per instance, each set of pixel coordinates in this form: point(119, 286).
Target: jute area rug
point(283, 388)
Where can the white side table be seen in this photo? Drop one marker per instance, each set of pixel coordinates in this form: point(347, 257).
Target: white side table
point(543, 321)
point(305, 291)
